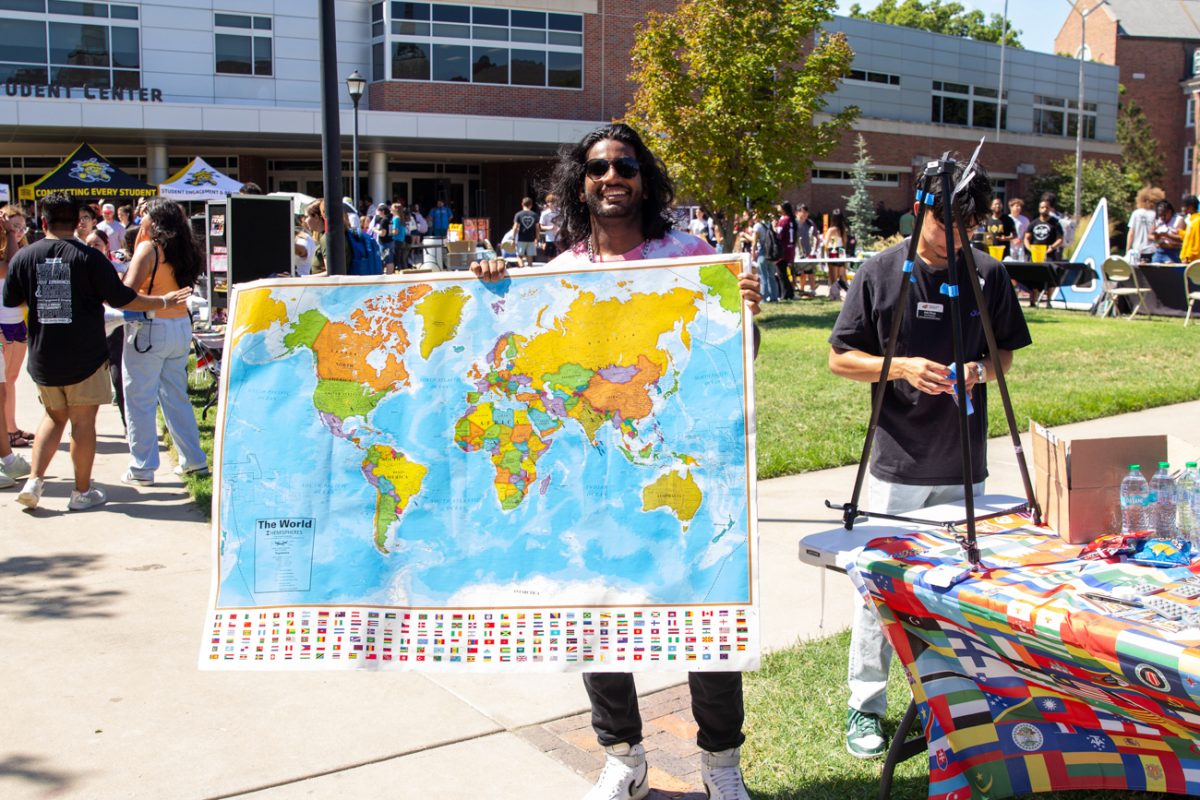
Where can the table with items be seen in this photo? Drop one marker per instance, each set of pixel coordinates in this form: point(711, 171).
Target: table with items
point(1051, 666)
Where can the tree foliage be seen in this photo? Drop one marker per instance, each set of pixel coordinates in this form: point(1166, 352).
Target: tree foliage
point(727, 95)
point(949, 18)
point(859, 207)
point(1099, 178)
point(1139, 149)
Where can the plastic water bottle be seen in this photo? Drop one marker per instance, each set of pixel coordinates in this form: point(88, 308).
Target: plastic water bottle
point(1162, 501)
point(1186, 504)
point(1135, 497)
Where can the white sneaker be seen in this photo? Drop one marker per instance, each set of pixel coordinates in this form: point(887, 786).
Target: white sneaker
point(198, 471)
point(624, 775)
point(31, 492)
point(130, 477)
point(6, 482)
point(14, 471)
point(93, 497)
point(722, 775)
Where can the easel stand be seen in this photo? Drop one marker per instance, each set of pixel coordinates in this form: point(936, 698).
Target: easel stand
point(942, 170)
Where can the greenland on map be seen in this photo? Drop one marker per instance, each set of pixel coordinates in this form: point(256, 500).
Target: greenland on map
point(552, 472)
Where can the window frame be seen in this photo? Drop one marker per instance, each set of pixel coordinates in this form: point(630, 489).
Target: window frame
point(254, 33)
point(47, 69)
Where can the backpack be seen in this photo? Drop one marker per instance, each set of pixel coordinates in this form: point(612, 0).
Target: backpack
point(770, 244)
point(363, 256)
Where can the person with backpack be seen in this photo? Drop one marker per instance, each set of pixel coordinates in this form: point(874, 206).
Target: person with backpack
point(381, 229)
point(362, 252)
point(764, 249)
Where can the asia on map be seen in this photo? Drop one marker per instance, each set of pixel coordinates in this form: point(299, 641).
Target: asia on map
point(552, 472)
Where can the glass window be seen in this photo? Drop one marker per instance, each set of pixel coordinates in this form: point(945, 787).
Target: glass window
point(1188, 159)
point(405, 28)
point(125, 47)
point(529, 67)
point(78, 9)
point(23, 40)
point(79, 76)
point(566, 22)
point(490, 16)
point(377, 30)
point(410, 61)
point(528, 19)
point(447, 13)
point(519, 35)
point(954, 111)
point(81, 45)
point(377, 73)
point(376, 12)
point(1048, 122)
point(490, 34)
point(566, 70)
point(452, 31)
point(1190, 111)
point(126, 79)
point(262, 55)
point(234, 54)
point(981, 91)
point(491, 65)
point(417, 11)
point(24, 73)
point(124, 12)
point(233, 21)
point(571, 39)
point(983, 115)
point(23, 5)
point(262, 23)
point(452, 62)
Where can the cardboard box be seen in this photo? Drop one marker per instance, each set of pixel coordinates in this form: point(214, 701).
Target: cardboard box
point(1077, 482)
point(458, 248)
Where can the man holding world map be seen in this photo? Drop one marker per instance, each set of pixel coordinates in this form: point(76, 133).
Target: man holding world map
point(615, 195)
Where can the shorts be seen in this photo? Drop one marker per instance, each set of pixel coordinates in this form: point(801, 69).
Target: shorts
point(806, 269)
point(94, 390)
point(527, 249)
point(14, 331)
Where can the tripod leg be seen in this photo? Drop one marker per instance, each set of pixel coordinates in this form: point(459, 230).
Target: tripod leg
point(989, 333)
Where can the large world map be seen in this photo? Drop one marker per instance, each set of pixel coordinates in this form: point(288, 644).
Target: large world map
point(557, 441)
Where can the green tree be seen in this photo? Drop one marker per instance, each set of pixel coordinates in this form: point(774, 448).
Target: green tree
point(949, 18)
point(1098, 178)
point(728, 92)
point(1139, 149)
point(859, 207)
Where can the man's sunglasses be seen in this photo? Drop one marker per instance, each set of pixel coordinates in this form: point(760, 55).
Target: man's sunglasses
point(626, 167)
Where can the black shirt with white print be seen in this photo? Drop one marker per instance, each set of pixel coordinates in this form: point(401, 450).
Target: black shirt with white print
point(65, 284)
point(1047, 232)
point(917, 442)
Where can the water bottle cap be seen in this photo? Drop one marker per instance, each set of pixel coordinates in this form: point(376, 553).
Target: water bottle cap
point(1133, 467)
point(1190, 465)
point(1163, 465)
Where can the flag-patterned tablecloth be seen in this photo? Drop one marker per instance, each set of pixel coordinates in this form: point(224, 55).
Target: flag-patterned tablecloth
point(1025, 680)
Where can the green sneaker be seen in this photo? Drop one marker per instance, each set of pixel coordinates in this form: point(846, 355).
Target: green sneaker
point(864, 735)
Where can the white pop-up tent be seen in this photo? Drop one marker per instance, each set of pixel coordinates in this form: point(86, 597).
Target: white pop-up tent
point(4, 193)
point(199, 181)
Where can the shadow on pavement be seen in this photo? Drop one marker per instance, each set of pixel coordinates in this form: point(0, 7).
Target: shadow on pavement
point(45, 587)
point(910, 788)
point(26, 769)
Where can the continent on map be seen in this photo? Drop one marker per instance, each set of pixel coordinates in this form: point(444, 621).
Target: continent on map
point(675, 492)
point(570, 373)
point(396, 480)
point(514, 439)
point(442, 314)
point(256, 311)
point(722, 282)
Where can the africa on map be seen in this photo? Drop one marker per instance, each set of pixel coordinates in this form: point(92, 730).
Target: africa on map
point(432, 470)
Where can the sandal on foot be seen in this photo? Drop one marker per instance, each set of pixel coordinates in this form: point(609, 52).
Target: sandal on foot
point(18, 440)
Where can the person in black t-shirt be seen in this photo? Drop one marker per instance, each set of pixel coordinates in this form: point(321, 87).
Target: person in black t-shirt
point(999, 228)
point(65, 285)
point(917, 460)
point(525, 231)
point(1047, 230)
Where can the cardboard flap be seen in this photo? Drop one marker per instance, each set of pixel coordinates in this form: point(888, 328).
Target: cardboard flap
point(1098, 463)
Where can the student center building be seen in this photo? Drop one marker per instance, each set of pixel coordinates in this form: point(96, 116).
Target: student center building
point(469, 102)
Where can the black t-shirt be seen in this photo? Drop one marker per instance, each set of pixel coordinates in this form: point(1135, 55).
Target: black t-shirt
point(1047, 232)
point(65, 283)
point(996, 228)
point(917, 442)
point(526, 222)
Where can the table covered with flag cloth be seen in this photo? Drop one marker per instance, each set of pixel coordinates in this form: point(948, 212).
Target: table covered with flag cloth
point(1023, 682)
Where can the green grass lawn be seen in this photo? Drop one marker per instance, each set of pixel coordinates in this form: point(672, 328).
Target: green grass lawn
point(1078, 368)
point(794, 750)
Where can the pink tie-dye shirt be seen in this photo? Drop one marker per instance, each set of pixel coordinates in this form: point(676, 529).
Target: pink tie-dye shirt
point(675, 244)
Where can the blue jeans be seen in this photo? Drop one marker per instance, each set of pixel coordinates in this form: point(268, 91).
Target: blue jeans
point(158, 377)
point(1165, 257)
point(770, 278)
point(870, 653)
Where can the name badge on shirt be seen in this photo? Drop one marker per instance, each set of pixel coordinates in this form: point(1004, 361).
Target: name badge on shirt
point(929, 310)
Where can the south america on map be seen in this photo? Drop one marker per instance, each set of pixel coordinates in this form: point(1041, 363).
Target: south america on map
point(554, 471)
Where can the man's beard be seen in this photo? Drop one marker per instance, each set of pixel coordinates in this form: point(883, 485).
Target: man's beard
point(596, 206)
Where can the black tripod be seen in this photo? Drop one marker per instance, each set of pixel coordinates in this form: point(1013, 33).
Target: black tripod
point(942, 170)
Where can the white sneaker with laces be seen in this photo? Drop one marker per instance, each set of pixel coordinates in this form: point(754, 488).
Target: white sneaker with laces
point(6, 482)
point(182, 472)
point(93, 497)
point(15, 470)
point(134, 479)
point(722, 775)
point(624, 775)
point(31, 492)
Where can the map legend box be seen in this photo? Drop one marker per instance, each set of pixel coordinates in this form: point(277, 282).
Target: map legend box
point(283, 554)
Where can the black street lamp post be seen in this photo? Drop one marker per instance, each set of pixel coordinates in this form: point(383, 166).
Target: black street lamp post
point(356, 84)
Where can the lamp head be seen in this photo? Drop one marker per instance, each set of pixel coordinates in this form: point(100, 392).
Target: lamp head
point(356, 84)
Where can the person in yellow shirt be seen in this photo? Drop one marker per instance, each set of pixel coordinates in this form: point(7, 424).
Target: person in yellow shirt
point(1191, 239)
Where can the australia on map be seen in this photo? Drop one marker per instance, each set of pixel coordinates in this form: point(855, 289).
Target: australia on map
point(564, 442)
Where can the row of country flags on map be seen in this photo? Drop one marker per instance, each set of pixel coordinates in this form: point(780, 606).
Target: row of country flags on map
point(483, 637)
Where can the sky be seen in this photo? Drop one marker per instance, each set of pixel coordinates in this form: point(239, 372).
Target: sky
point(1038, 22)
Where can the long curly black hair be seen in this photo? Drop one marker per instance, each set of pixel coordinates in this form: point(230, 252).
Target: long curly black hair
point(567, 184)
point(173, 233)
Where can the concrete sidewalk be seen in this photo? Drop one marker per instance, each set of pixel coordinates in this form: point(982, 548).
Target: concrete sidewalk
point(100, 621)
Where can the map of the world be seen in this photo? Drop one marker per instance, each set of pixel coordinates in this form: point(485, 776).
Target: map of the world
point(429, 470)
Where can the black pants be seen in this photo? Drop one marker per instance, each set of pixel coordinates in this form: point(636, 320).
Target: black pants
point(716, 705)
point(785, 279)
point(116, 346)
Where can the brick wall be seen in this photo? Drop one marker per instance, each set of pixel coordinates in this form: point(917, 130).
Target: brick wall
point(607, 41)
point(1164, 64)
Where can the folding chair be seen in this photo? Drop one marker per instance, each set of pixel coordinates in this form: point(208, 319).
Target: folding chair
point(1191, 275)
point(1117, 271)
point(208, 360)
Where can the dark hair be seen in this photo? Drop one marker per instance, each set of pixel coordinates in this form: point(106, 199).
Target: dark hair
point(973, 203)
point(99, 232)
point(59, 210)
point(84, 208)
point(1189, 201)
point(1158, 209)
point(1049, 197)
point(838, 220)
point(568, 180)
point(250, 187)
point(788, 211)
point(131, 234)
point(171, 231)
